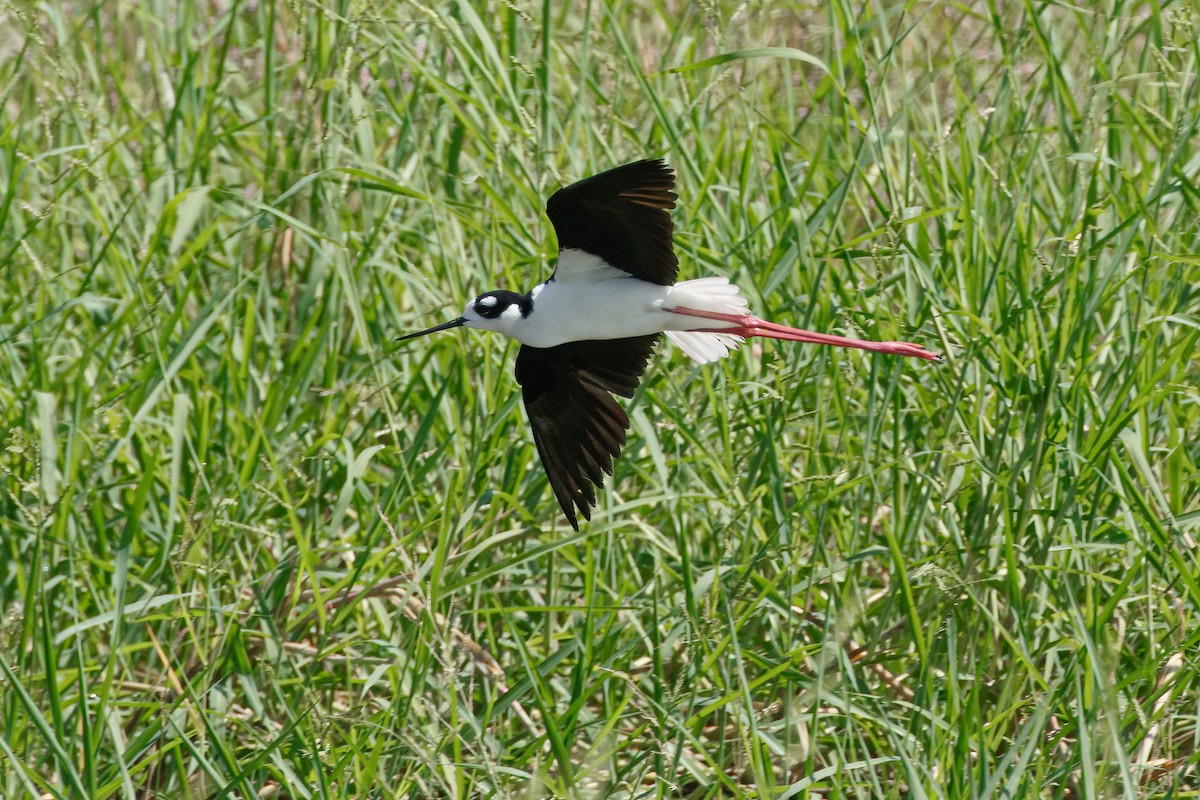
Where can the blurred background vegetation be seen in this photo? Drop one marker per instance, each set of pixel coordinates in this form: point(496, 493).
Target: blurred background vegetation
point(249, 547)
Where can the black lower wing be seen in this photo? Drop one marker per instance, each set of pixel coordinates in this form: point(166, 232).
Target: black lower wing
point(578, 427)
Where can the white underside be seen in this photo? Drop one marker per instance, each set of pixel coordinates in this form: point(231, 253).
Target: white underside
point(706, 294)
point(588, 299)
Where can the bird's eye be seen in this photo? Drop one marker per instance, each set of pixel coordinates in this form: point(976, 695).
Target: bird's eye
point(487, 307)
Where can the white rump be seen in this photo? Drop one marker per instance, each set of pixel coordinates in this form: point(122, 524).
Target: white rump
point(705, 294)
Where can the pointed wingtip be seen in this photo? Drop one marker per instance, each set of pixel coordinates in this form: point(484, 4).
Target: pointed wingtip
point(584, 509)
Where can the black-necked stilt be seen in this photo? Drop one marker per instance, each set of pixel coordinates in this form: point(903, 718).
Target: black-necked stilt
point(587, 332)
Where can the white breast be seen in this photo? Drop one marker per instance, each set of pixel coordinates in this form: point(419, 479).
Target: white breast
point(588, 299)
point(616, 308)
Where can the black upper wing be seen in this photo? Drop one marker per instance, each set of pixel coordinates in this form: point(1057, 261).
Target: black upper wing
point(578, 426)
point(623, 216)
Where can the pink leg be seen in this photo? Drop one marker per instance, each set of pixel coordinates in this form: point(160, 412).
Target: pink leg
point(746, 325)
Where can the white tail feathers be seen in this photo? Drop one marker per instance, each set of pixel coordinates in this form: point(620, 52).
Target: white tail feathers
point(705, 294)
point(708, 294)
point(704, 347)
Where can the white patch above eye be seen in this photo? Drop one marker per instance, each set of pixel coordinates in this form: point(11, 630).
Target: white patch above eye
point(488, 302)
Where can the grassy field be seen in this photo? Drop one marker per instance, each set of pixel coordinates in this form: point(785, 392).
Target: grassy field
point(250, 547)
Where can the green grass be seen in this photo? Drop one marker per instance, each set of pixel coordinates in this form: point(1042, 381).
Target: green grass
point(251, 547)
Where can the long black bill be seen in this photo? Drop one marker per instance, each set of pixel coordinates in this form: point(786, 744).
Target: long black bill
point(445, 326)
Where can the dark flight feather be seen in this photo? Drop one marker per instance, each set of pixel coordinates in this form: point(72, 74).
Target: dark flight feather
point(578, 426)
point(623, 216)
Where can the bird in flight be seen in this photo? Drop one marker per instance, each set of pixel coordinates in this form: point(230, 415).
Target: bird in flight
point(586, 333)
